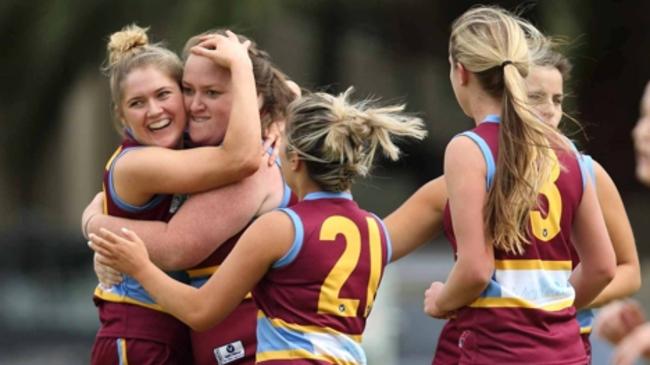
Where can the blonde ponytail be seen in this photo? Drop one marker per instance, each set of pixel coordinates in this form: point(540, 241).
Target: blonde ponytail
point(339, 140)
point(496, 46)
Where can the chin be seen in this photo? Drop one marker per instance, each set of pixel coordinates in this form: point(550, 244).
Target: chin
point(643, 174)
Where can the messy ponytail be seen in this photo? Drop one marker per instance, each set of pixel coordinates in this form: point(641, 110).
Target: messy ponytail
point(338, 140)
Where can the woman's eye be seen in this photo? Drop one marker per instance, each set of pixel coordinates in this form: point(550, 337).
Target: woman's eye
point(135, 103)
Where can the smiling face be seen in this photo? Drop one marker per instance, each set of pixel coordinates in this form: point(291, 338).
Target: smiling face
point(152, 107)
point(641, 137)
point(208, 99)
point(546, 93)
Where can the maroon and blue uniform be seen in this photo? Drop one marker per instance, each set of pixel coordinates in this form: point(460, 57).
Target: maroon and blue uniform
point(134, 329)
point(526, 313)
point(314, 301)
point(586, 316)
point(233, 340)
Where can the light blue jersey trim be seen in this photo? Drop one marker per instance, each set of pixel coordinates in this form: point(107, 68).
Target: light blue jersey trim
point(389, 243)
point(157, 199)
point(493, 289)
point(589, 166)
point(286, 194)
point(492, 118)
point(271, 338)
point(487, 155)
point(297, 240)
point(327, 195)
point(282, 340)
point(585, 318)
point(120, 343)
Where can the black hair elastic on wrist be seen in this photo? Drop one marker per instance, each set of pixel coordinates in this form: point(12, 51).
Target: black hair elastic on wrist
point(505, 63)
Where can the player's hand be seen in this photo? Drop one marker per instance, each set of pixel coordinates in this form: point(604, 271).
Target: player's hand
point(225, 51)
point(633, 346)
point(272, 138)
point(95, 207)
point(126, 253)
point(106, 275)
point(617, 319)
point(430, 300)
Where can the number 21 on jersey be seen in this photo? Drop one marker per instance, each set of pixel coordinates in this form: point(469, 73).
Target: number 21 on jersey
point(329, 300)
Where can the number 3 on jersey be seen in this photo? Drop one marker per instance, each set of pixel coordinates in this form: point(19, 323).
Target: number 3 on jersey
point(329, 301)
point(545, 228)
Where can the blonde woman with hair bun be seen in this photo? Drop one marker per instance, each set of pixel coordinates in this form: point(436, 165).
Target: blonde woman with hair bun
point(313, 268)
point(149, 166)
point(518, 200)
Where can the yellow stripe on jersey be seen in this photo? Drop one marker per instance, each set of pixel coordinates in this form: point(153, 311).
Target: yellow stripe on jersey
point(206, 272)
point(585, 330)
point(297, 354)
point(117, 298)
point(493, 302)
point(565, 265)
point(276, 322)
point(110, 160)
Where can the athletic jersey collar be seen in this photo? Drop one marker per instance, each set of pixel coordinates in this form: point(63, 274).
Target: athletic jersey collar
point(327, 195)
point(492, 118)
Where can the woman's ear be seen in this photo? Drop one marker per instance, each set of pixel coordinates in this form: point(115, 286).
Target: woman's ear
point(462, 73)
point(294, 161)
point(118, 113)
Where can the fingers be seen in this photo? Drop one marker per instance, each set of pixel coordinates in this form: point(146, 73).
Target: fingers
point(103, 261)
point(131, 235)
point(294, 87)
point(274, 154)
point(100, 245)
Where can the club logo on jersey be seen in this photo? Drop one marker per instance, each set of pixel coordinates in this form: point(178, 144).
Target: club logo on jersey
point(229, 353)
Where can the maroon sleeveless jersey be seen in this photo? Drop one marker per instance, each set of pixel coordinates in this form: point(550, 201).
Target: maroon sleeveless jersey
point(234, 339)
point(526, 313)
point(126, 310)
point(314, 301)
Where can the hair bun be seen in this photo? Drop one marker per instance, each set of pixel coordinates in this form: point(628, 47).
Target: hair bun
point(125, 42)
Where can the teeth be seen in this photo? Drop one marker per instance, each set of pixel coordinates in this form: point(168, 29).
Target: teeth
point(199, 119)
point(160, 124)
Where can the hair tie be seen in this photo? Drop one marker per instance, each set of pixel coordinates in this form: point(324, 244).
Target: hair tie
point(505, 63)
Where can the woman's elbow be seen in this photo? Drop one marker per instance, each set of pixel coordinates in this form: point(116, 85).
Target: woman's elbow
point(246, 165)
point(479, 275)
point(199, 320)
point(606, 271)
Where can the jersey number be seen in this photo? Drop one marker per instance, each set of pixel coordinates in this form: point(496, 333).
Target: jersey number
point(329, 301)
point(545, 228)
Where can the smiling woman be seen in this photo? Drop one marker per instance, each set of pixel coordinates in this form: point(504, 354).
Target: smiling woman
point(149, 166)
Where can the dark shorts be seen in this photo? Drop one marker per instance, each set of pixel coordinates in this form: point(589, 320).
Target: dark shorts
point(232, 341)
point(140, 336)
point(122, 351)
point(447, 351)
point(587, 342)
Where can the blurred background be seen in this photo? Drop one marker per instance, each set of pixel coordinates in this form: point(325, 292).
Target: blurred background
point(55, 114)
